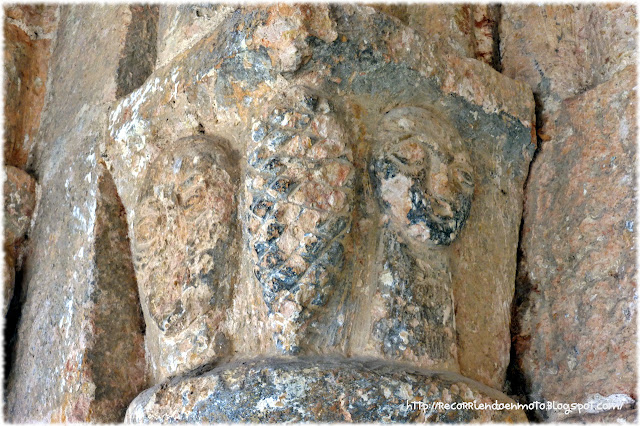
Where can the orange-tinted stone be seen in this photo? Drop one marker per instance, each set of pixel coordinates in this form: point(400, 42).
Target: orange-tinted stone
point(577, 303)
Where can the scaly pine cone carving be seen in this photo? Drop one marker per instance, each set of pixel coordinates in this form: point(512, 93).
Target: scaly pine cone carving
point(300, 190)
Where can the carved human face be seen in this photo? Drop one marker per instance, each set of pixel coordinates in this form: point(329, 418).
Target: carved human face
point(182, 231)
point(423, 175)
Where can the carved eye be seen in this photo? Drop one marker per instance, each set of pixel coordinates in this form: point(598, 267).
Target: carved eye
point(192, 191)
point(194, 197)
point(464, 177)
point(400, 158)
point(407, 154)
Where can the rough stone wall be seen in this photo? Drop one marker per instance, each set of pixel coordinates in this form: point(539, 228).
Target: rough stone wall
point(78, 353)
point(563, 50)
point(182, 25)
point(575, 314)
point(465, 30)
point(19, 203)
point(28, 34)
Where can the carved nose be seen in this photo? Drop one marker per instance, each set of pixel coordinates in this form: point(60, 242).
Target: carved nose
point(440, 182)
point(441, 207)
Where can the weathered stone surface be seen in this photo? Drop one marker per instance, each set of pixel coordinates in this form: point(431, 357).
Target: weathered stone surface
point(486, 18)
point(9, 279)
point(78, 354)
point(114, 357)
point(28, 31)
point(19, 205)
point(483, 264)
point(424, 183)
point(466, 30)
point(186, 252)
point(612, 416)
point(138, 56)
point(563, 50)
point(575, 330)
point(183, 25)
point(562, 334)
point(303, 112)
point(316, 390)
point(39, 21)
point(79, 351)
point(449, 26)
point(323, 183)
point(299, 189)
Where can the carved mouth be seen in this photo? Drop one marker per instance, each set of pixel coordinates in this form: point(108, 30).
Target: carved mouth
point(442, 208)
point(442, 218)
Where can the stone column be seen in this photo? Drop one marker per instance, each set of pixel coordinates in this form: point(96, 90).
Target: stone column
point(373, 169)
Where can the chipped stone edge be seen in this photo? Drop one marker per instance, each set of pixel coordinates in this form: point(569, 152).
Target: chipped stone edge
point(135, 411)
point(514, 105)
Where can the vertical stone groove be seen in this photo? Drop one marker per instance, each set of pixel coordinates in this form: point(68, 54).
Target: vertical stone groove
point(117, 317)
point(140, 49)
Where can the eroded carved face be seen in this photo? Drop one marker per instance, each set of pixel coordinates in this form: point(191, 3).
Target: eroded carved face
point(183, 228)
point(423, 175)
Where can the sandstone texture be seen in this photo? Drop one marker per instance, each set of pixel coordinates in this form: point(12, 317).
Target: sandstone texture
point(561, 50)
point(315, 223)
point(612, 416)
point(28, 33)
point(577, 304)
point(186, 253)
point(318, 391)
point(19, 205)
point(574, 321)
point(181, 26)
point(486, 19)
point(319, 212)
point(465, 30)
point(450, 26)
point(138, 55)
point(79, 353)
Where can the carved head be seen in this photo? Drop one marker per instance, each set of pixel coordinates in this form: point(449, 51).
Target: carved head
point(183, 229)
point(423, 176)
